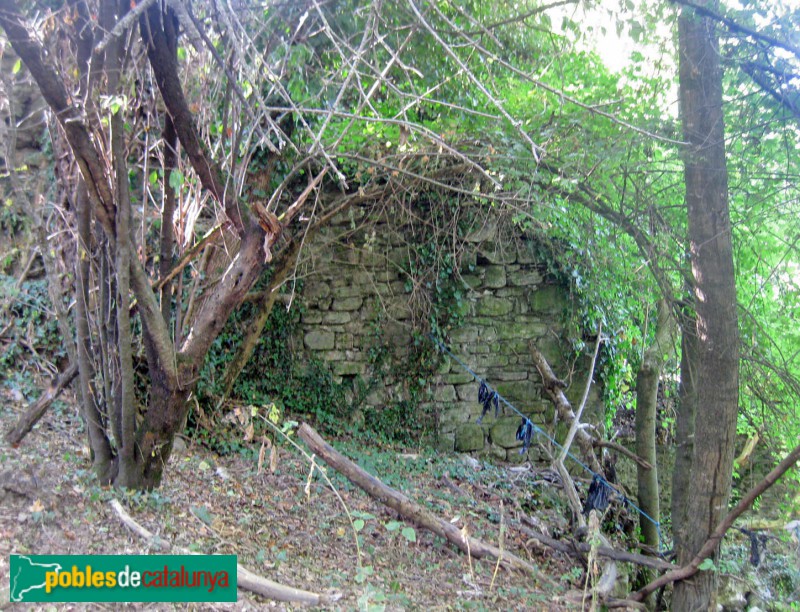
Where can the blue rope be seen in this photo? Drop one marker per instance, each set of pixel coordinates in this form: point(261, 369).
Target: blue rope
point(540, 431)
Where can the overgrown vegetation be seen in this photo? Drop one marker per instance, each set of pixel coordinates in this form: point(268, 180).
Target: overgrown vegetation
point(258, 125)
point(31, 341)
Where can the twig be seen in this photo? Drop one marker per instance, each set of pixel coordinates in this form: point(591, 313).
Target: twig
point(475, 80)
point(734, 26)
point(245, 579)
point(575, 549)
point(18, 285)
point(122, 25)
point(576, 422)
point(35, 411)
point(554, 389)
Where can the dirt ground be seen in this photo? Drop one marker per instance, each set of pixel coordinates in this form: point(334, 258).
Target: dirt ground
point(285, 526)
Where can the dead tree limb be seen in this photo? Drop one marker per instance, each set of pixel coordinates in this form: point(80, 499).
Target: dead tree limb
point(569, 486)
point(576, 549)
point(622, 451)
point(35, 411)
point(687, 571)
point(554, 388)
point(408, 508)
point(245, 579)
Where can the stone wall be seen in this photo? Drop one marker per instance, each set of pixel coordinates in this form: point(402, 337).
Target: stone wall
point(357, 293)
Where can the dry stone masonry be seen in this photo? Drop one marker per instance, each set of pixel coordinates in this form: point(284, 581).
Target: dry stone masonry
point(358, 291)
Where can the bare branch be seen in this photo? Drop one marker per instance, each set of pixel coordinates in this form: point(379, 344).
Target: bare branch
point(535, 149)
point(734, 26)
point(36, 59)
point(152, 24)
point(591, 108)
point(122, 25)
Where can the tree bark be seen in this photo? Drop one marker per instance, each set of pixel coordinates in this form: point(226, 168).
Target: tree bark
point(125, 408)
point(99, 443)
point(170, 138)
point(647, 381)
point(714, 298)
point(684, 429)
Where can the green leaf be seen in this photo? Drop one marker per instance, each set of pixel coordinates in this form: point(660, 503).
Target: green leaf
point(393, 525)
point(202, 513)
point(707, 565)
point(176, 179)
point(358, 524)
point(409, 534)
point(181, 53)
point(154, 177)
point(363, 573)
point(17, 67)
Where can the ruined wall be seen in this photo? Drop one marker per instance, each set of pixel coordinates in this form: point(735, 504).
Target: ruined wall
point(357, 294)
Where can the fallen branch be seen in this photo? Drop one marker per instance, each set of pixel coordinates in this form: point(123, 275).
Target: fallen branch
point(246, 579)
point(35, 411)
point(576, 549)
point(408, 508)
point(577, 598)
point(687, 571)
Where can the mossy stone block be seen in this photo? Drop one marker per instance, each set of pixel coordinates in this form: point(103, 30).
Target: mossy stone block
point(547, 299)
point(490, 306)
point(495, 277)
point(469, 438)
point(504, 432)
point(320, 340)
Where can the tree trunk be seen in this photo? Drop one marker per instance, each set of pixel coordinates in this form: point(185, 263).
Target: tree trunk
point(124, 414)
point(684, 429)
point(647, 380)
point(263, 309)
point(717, 368)
point(95, 421)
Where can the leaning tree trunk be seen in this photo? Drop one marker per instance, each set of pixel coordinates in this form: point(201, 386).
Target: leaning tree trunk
point(714, 288)
point(647, 380)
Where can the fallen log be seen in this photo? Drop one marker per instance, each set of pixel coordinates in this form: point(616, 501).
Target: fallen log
point(408, 508)
point(36, 411)
point(245, 579)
